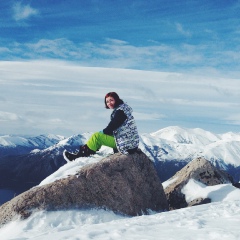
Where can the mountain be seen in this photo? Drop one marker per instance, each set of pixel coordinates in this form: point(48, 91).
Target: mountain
point(16, 145)
point(173, 147)
point(37, 164)
point(40, 156)
point(26, 161)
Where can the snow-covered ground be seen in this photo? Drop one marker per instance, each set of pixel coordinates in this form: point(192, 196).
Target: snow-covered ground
point(217, 220)
point(213, 221)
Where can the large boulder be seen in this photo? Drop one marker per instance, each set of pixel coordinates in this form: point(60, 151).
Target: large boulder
point(125, 184)
point(200, 170)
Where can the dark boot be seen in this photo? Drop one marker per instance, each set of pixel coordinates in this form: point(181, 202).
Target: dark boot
point(69, 156)
point(84, 151)
point(115, 150)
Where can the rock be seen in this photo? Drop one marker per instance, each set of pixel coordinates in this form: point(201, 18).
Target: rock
point(125, 184)
point(200, 170)
point(199, 201)
point(236, 185)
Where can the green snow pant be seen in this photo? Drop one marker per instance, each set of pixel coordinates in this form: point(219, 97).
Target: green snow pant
point(99, 139)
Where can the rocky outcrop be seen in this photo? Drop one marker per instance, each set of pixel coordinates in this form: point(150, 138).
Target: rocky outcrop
point(125, 184)
point(200, 170)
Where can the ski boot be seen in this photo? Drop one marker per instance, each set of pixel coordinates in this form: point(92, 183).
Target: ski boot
point(84, 151)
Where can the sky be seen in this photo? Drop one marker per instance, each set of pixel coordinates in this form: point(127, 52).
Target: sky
point(174, 62)
point(216, 220)
point(148, 35)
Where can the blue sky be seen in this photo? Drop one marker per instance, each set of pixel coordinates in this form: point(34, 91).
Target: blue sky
point(174, 62)
point(151, 35)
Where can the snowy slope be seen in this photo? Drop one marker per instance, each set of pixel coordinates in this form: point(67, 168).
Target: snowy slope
point(175, 143)
point(41, 142)
point(17, 145)
point(171, 143)
point(213, 221)
point(194, 136)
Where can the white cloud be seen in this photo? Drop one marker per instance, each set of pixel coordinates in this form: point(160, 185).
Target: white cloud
point(116, 41)
point(234, 119)
point(181, 30)
point(4, 50)
point(121, 54)
point(22, 12)
point(64, 98)
point(60, 48)
point(7, 116)
point(111, 53)
point(230, 55)
point(147, 116)
point(197, 103)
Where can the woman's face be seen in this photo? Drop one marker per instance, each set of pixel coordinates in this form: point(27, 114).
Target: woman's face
point(110, 101)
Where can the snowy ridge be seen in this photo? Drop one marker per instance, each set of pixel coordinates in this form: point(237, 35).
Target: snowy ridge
point(70, 142)
point(188, 136)
point(175, 143)
point(167, 144)
point(75, 139)
point(42, 141)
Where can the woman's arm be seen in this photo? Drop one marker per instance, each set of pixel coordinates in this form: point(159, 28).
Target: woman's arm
point(116, 122)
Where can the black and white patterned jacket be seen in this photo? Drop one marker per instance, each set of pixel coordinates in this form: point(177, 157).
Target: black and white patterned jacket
point(126, 135)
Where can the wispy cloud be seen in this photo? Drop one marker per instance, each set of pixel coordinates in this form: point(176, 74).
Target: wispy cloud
point(4, 50)
point(7, 116)
point(65, 98)
point(22, 12)
point(57, 48)
point(234, 119)
point(183, 31)
point(121, 54)
point(144, 116)
point(110, 53)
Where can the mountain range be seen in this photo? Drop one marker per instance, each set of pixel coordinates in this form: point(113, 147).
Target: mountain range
point(25, 160)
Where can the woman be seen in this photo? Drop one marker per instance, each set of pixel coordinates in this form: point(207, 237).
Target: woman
point(121, 133)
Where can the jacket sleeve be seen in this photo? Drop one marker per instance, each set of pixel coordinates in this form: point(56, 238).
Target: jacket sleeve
point(115, 123)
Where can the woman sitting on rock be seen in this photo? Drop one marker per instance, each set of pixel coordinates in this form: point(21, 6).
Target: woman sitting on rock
point(121, 133)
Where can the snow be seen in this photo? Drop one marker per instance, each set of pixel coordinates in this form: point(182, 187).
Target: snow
point(72, 167)
point(42, 140)
point(179, 143)
point(222, 192)
point(168, 182)
point(8, 141)
point(170, 143)
point(217, 220)
point(227, 150)
point(211, 221)
point(184, 135)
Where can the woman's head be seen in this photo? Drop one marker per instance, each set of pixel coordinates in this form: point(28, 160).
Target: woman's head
point(112, 100)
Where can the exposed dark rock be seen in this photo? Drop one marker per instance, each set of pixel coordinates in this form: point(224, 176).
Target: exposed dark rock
point(200, 170)
point(237, 185)
point(125, 184)
point(199, 201)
